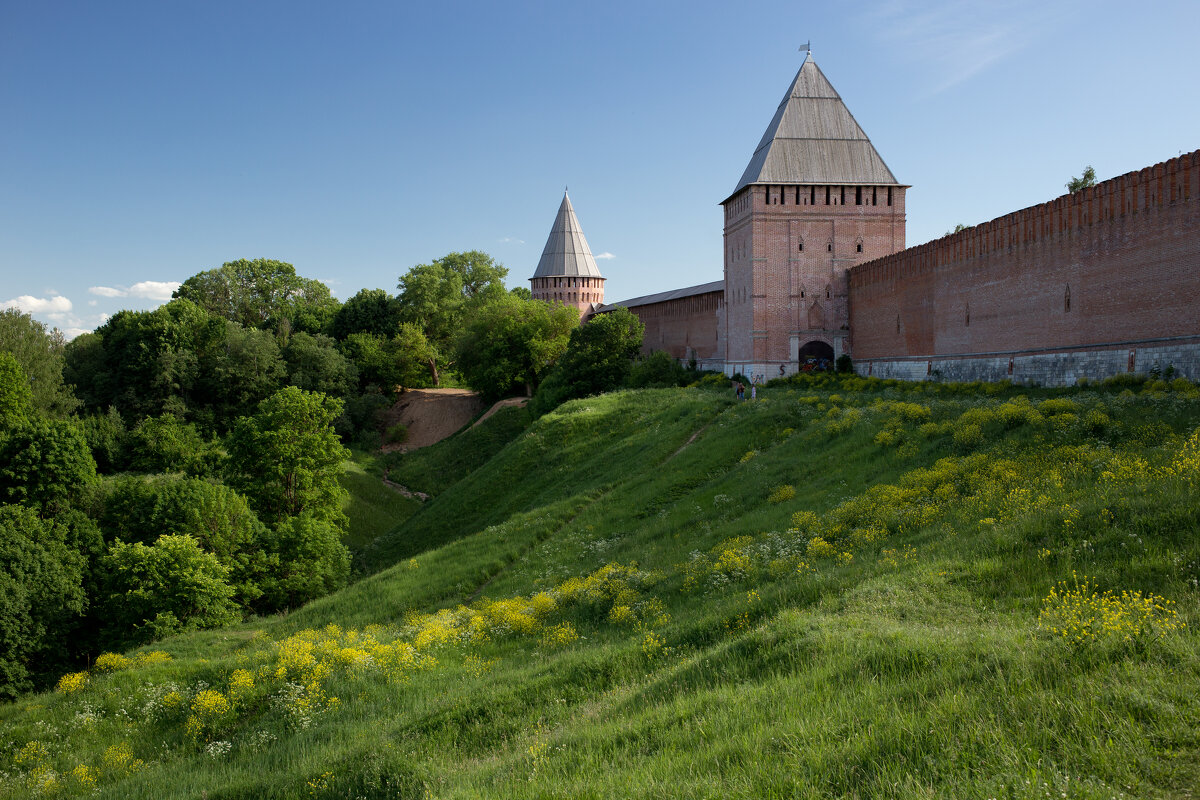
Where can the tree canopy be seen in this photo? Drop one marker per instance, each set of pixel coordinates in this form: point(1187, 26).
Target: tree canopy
point(370, 311)
point(287, 458)
point(510, 343)
point(44, 464)
point(262, 293)
point(16, 399)
point(436, 297)
point(598, 359)
point(160, 589)
point(41, 589)
point(39, 353)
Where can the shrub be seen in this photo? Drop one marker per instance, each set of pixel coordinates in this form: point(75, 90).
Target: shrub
point(657, 370)
point(142, 508)
point(164, 588)
point(397, 433)
point(312, 562)
point(781, 494)
point(1081, 615)
point(968, 436)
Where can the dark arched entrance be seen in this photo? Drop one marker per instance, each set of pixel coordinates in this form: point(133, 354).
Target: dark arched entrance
point(815, 355)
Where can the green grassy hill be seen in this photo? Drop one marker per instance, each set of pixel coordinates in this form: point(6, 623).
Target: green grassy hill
point(850, 589)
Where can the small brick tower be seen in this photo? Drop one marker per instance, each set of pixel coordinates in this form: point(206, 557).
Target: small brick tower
point(567, 273)
point(815, 200)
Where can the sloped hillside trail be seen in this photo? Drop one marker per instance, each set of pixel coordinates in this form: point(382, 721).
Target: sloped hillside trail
point(431, 415)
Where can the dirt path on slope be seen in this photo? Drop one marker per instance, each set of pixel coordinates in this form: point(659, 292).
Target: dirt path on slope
point(431, 415)
point(509, 403)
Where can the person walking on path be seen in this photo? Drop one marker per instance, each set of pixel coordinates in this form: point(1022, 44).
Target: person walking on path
point(754, 391)
point(739, 390)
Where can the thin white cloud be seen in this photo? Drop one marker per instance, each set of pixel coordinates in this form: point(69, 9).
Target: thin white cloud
point(71, 333)
point(154, 290)
point(958, 39)
point(147, 290)
point(38, 305)
point(92, 302)
point(511, 240)
point(604, 256)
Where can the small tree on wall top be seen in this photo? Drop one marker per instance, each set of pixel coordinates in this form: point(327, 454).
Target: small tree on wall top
point(1088, 178)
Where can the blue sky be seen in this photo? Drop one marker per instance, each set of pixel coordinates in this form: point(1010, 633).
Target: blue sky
point(141, 143)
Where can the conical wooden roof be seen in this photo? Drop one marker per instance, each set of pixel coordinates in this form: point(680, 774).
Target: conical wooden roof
point(814, 139)
point(566, 250)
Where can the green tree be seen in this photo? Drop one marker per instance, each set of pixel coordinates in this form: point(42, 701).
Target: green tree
point(509, 343)
point(262, 293)
point(16, 400)
point(85, 370)
point(417, 355)
point(480, 275)
point(149, 362)
point(141, 508)
point(373, 360)
point(106, 438)
point(168, 444)
point(41, 593)
point(370, 311)
point(437, 297)
point(313, 562)
point(40, 355)
point(176, 359)
point(240, 371)
point(1088, 178)
point(598, 359)
point(152, 591)
point(432, 298)
point(315, 364)
point(45, 464)
point(407, 359)
point(522, 292)
point(287, 458)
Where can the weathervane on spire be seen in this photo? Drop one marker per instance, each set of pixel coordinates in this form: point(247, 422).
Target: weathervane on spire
point(805, 48)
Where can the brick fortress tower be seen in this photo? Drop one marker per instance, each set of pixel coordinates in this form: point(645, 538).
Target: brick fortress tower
point(815, 200)
point(567, 273)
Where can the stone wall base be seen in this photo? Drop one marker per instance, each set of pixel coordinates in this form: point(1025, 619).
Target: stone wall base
point(1058, 367)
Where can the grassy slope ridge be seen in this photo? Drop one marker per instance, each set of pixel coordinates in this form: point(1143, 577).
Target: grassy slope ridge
point(629, 600)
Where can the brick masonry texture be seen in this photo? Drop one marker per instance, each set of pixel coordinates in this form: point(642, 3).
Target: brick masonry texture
point(685, 328)
point(581, 293)
point(1116, 265)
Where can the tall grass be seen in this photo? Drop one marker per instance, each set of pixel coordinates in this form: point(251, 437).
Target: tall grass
point(621, 602)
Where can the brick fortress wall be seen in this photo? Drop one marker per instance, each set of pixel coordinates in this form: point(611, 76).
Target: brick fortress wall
point(1103, 280)
point(685, 327)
